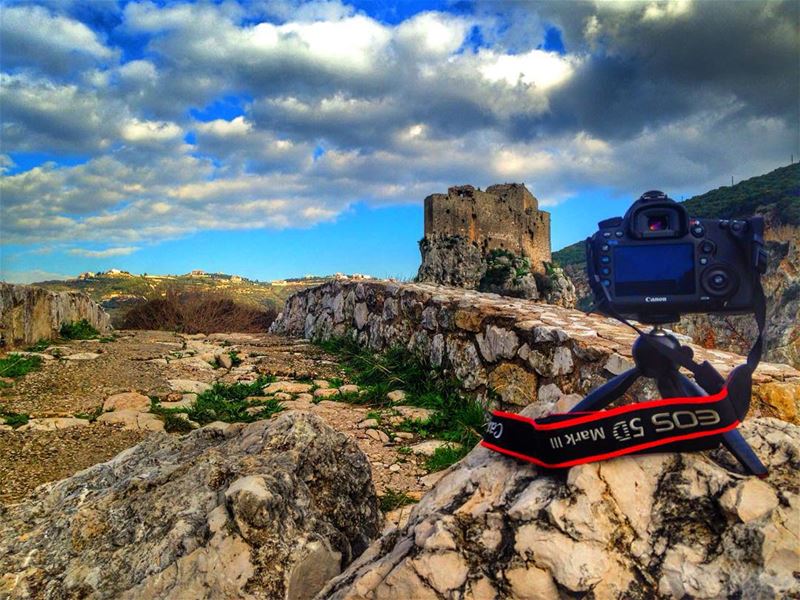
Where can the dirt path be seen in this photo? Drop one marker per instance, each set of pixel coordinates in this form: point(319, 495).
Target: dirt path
point(77, 377)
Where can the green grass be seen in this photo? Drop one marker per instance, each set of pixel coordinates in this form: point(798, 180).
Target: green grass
point(14, 419)
point(226, 402)
point(336, 382)
point(455, 418)
point(16, 365)
point(90, 416)
point(235, 358)
point(444, 457)
point(79, 330)
point(40, 346)
point(176, 424)
point(392, 500)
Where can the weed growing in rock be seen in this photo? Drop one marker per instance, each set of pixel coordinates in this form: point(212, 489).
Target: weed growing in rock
point(17, 365)
point(235, 358)
point(455, 418)
point(175, 424)
point(444, 457)
point(392, 500)
point(79, 330)
point(90, 416)
point(14, 419)
point(40, 346)
point(227, 402)
point(336, 382)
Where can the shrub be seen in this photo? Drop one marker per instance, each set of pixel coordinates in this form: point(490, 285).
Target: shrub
point(176, 424)
point(78, 330)
point(199, 312)
point(16, 365)
point(14, 419)
point(392, 500)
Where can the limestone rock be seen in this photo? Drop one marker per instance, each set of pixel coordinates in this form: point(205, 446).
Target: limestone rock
point(497, 343)
point(82, 356)
point(133, 419)
point(429, 447)
point(268, 510)
point(396, 396)
point(188, 385)
point(53, 424)
point(29, 314)
point(378, 435)
point(660, 525)
point(127, 401)
point(413, 413)
point(514, 384)
point(225, 361)
point(326, 393)
point(291, 387)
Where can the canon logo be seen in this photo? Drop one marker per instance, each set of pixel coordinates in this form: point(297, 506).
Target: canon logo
point(655, 299)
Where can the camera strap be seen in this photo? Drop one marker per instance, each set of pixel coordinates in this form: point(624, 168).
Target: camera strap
point(566, 440)
point(672, 424)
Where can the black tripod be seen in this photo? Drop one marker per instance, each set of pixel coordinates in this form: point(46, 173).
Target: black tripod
point(672, 384)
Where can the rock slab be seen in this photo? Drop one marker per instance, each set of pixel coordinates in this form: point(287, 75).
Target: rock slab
point(649, 526)
point(29, 314)
point(268, 510)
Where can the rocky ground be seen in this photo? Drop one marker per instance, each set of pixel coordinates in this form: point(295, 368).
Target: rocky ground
point(92, 399)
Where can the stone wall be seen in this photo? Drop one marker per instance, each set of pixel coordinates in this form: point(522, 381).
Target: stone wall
point(29, 314)
point(523, 351)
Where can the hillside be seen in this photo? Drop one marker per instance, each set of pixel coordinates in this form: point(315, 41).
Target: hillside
point(119, 291)
point(776, 195)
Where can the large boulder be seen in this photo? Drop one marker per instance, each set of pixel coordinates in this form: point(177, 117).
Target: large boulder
point(29, 314)
point(267, 510)
point(651, 526)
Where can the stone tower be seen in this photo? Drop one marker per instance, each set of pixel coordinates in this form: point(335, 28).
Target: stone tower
point(463, 226)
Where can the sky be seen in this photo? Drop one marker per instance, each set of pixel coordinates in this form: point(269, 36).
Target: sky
point(276, 139)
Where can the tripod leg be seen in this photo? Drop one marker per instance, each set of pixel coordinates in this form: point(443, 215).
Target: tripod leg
point(733, 441)
point(741, 450)
point(608, 392)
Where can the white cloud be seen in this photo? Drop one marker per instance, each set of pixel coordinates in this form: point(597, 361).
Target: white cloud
point(150, 131)
point(118, 251)
point(33, 36)
point(337, 107)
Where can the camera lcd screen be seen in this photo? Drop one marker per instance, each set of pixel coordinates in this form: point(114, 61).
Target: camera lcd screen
point(644, 270)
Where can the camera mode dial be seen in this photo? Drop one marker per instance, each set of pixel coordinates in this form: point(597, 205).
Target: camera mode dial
point(719, 281)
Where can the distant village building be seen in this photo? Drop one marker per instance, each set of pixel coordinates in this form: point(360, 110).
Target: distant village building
point(236, 279)
point(197, 273)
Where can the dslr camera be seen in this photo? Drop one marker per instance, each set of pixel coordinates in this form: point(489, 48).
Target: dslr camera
point(657, 262)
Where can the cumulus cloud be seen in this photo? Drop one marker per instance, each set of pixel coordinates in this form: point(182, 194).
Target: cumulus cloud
point(337, 107)
point(33, 36)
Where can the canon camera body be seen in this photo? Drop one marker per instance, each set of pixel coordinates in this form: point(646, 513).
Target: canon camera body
point(657, 262)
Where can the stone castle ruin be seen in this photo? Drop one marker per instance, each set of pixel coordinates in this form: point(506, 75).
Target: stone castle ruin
point(495, 240)
point(505, 216)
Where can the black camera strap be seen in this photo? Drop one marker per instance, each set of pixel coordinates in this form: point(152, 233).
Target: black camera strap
point(673, 424)
point(566, 440)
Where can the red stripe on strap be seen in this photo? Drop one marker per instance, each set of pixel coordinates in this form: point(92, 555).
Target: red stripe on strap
point(607, 455)
point(621, 410)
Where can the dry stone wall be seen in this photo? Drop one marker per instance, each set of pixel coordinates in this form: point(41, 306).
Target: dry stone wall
point(522, 351)
point(29, 314)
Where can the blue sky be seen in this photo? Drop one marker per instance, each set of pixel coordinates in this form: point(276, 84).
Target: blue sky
point(275, 139)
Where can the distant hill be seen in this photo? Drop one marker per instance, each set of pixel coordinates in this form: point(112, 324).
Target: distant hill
point(119, 291)
point(776, 195)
